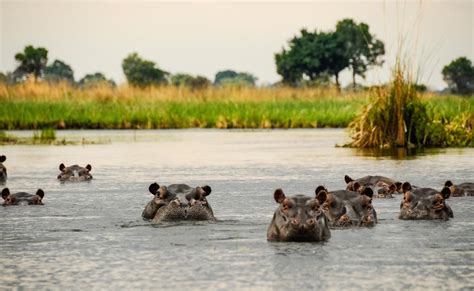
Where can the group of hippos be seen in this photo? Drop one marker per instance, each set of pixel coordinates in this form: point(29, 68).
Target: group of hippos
point(297, 217)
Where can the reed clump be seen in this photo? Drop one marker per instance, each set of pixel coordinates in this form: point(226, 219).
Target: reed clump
point(398, 116)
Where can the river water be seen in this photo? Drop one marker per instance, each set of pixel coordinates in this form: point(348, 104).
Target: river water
point(91, 235)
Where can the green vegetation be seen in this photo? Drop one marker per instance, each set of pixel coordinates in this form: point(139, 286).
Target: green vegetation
point(142, 73)
point(398, 117)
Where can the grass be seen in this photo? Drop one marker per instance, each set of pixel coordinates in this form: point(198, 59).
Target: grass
point(39, 106)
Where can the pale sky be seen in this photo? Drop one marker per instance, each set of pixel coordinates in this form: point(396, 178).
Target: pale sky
point(200, 37)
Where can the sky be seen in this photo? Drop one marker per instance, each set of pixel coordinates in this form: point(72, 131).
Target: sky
point(202, 37)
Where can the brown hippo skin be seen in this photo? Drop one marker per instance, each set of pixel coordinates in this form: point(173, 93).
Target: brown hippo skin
point(348, 208)
point(3, 170)
point(459, 190)
point(22, 198)
point(178, 202)
point(74, 173)
point(425, 203)
point(298, 218)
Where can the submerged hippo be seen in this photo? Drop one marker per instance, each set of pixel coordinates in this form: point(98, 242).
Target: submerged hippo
point(424, 203)
point(22, 198)
point(463, 189)
point(178, 202)
point(74, 173)
point(3, 170)
point(298, 218)
point(384, 186)
point(348, 208)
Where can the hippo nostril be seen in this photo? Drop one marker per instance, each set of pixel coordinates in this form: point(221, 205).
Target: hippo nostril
point(295, 221)
point(311, 221)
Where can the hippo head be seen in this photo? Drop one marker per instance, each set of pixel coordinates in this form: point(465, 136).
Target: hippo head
point(3, 170)
point(387, 191)
point(22, 198)
point(181, 202)
point(334, 209)
point(424, 203)
point(350, 208)
point(351, 184)
point(298, 218)
point(74, 173)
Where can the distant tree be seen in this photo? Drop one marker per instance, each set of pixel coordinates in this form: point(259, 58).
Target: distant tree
point(310, 56)
point(140, 72)
point(96, 79)
point(59, 71)
point(229, 77)
point(186, 80)
point(32, 61)
point(3, 78)
point(360, 47)
point(459, 74)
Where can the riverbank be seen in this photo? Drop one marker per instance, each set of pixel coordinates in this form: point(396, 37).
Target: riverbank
point(37, 106)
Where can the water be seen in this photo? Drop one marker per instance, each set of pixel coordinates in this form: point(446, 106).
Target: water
point(91, 235)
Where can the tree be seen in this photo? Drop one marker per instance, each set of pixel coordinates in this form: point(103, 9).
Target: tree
point(360, 47)
point(459, 74)
point(140, 72)
point(310, 56)
point(229, 77)
point(32, 61)
point(185, 80)
point(94, 80)
point(59, 71)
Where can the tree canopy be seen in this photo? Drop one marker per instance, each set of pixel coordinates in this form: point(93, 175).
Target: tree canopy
point(96, 79)
point(312, 55)
point(32, 61)
point(59, 71)
point(193, 82)
point(140, 72)
point(459, 74)
point(230, 77)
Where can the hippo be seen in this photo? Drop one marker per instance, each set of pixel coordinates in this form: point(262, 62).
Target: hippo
point(463, 189)
point(424, 203)
point(299, 218)
point(3, 170)
point(74, 173)
point(349, 208)
point(22, 198)
point(384, 186)
point(178, 202)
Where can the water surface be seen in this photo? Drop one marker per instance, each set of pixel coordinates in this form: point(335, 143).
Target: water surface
point(91, 235)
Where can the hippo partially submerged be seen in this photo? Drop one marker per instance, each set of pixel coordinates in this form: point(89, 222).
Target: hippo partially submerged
point(22, 198)
point(424, 203)
point(3, 170)
point(348, 208)
point(298, 218)
point(178, 202)
point(74, 173)
point(384, 187)
point(459, 190)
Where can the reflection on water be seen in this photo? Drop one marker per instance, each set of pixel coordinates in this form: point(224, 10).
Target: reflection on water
point(401, 153)
point(91, 235)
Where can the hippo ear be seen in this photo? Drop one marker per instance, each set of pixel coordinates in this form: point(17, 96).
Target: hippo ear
point(279, 196)
point(40, 193)
point(61, 167)
point(322, 196)
point(406, 187)
point(446, 192)
point(319, 189)
point(153, 188)
point(398, 185)
point(5, 193)
point(89, 167)
point(348, 179)
point(448, 183)
point(3, 159)
point(367, 192)
point(207, 190)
